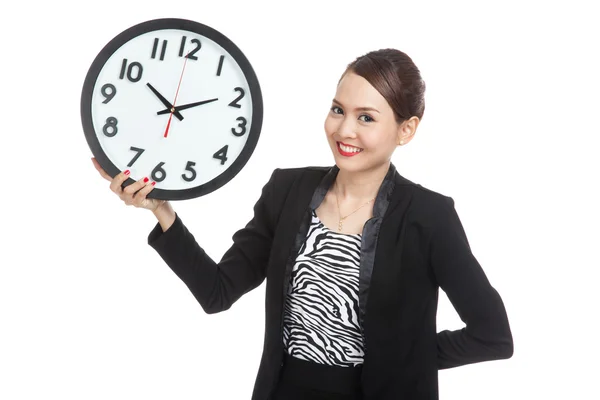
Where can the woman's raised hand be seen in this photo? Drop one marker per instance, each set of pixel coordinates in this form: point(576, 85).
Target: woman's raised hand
point(134, 194)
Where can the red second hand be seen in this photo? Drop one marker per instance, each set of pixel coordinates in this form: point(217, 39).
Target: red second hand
point(176, 94)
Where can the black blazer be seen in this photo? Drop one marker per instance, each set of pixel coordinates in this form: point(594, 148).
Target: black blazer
point(414, 244)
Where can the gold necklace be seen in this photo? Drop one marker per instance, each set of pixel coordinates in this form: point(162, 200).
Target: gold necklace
point(339, 212)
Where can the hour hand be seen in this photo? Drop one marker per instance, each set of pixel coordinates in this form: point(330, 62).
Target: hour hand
point(186, 106)
point(169, 106)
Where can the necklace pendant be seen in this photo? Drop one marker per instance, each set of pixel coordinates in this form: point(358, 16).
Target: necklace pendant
point(340, 226)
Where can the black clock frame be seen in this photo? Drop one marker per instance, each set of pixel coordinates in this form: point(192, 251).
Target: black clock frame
point(201, 29)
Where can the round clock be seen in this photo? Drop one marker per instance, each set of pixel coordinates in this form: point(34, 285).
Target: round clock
point(175, 101)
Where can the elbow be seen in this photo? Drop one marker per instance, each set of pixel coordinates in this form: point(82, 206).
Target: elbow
point(508, 345)
point(209, 310)
point(211, 306)
point(504, 349)
point(508, 349)
point(498, 347)
point(497, 350)
point(214, 308)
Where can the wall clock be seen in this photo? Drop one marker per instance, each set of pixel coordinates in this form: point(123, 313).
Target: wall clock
point(175, 101)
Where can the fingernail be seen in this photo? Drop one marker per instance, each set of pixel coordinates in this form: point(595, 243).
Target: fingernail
point(146, 179)
point(126, 172)
point(153, 183)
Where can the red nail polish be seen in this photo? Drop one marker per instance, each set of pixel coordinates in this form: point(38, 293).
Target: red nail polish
point(153, 183)
point(126, 172)
point(145, 179)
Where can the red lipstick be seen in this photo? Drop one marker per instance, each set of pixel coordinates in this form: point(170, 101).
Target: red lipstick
point(344, 153)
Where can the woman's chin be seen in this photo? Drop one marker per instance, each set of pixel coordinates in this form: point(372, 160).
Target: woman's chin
point(349, 164)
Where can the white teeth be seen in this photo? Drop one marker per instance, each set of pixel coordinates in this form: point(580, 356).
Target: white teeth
point(349, 149)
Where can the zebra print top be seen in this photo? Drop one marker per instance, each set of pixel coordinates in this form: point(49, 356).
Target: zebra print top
point(320, 321)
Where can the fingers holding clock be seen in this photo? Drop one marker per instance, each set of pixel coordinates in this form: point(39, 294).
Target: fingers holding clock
point(141, 201)
point(135, 195)
point(116, 183)
point(128, 193)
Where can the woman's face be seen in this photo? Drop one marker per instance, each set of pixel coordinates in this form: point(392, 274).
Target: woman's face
point(361, 128)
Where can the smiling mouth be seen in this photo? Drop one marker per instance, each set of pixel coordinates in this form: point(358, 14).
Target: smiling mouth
point(348, 151)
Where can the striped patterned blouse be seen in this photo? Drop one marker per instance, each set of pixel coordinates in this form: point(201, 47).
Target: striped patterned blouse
point(320, 321)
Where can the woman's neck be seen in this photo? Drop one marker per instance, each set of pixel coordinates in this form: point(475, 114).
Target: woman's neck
point(357, 186)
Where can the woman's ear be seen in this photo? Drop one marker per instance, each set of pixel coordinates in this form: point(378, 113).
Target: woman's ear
point(407, 130)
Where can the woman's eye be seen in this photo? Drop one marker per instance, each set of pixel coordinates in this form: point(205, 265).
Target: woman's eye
point(367, 118)
point(335, 110)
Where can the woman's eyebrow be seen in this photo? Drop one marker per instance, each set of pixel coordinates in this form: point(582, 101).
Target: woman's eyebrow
point(357, 108)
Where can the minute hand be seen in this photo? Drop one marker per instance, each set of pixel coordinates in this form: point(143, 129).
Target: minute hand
point(186, 106)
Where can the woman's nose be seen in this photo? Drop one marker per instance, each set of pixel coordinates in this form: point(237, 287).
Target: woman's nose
point(347, 128)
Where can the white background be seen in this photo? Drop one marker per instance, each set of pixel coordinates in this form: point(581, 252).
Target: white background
point(89, 311)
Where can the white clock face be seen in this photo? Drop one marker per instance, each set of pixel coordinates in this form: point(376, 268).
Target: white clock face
point(174, 106)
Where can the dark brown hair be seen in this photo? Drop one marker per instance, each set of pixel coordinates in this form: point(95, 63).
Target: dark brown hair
point(396, 77)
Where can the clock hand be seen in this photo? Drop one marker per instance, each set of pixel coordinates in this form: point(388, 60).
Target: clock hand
point(173, 110)
point(164, 101)
point(186, 106)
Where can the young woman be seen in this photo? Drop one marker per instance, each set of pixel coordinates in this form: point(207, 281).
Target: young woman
point(353, 256)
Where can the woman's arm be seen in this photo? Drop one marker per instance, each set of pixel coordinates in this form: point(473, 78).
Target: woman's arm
point(217, 286)
point(165, 215)
point(487, 335)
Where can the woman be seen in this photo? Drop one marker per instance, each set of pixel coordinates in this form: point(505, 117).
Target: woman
point(353, 256)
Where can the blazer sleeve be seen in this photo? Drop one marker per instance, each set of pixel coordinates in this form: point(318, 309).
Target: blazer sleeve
point(242, 268)
point(487, 335)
